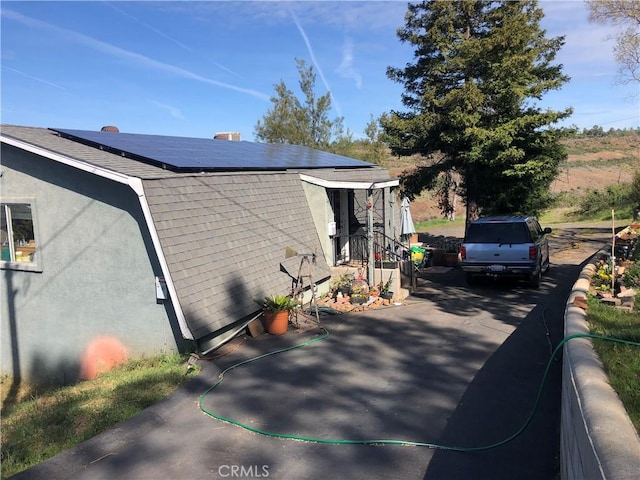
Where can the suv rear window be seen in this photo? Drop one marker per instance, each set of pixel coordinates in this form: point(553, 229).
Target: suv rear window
point(498, 233)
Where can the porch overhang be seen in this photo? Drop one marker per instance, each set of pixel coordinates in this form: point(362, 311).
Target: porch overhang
point(350, 184)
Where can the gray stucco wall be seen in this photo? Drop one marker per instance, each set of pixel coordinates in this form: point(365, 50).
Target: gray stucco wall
point(322, 214)
point(97, 279)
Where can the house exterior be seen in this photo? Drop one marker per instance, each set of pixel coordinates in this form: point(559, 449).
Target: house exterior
point(102, 246)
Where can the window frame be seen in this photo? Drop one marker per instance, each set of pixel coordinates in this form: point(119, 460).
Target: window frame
point(36, 264)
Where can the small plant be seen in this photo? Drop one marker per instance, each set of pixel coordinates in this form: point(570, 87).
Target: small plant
point(385, 287)
point(602, 279)
point(359, 292)
point(342, 283)
point(278, 303)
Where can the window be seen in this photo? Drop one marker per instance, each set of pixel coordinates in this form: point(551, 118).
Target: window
point(17, 236)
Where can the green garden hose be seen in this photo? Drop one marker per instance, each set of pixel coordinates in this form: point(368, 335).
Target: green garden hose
point(324, 335)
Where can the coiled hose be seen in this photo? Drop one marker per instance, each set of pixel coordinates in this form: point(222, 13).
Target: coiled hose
point(324, 335)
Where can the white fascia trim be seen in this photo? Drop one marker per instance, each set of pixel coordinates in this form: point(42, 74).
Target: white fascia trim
point(135, 184)
point(349, 185)
point(182, 321)
point(72, 162)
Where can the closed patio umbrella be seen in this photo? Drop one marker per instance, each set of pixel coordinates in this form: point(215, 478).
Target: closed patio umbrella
point(406, 227)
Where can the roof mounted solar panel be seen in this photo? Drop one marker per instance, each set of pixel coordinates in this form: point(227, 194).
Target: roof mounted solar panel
point(203, 154)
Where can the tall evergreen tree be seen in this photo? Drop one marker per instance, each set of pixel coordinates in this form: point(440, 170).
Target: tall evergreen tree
point(479, 68)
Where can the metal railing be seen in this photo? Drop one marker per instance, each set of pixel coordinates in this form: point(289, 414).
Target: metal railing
point(385, 248)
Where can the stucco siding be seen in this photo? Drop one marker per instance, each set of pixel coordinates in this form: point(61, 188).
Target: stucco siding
point(97, 277)
point(322, 214)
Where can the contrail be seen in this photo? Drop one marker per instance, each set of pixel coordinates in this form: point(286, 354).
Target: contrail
point(162, 34)
point(34, 78)
point(315, 62)
point(153, 29)
point(135, 58)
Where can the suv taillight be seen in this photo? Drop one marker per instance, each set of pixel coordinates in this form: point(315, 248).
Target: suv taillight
point(533, 253)
point(463, 252)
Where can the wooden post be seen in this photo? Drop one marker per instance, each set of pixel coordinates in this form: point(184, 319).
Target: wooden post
point(613, 252)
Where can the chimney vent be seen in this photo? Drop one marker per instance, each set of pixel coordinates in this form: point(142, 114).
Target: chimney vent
point(234, 136)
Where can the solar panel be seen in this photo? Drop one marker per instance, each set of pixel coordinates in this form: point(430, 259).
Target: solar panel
point(204, 154)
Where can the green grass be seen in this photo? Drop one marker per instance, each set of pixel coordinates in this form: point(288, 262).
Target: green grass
point(621, 362)
point(601, 162)
point(439, 222)
point(40, 422)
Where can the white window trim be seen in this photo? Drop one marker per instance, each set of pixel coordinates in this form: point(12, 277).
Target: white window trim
point(36, 265)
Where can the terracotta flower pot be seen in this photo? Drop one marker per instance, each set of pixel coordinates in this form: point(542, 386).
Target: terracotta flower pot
point(277, 323)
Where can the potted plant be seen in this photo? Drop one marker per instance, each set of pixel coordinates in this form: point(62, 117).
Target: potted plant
point(385, 288)
point(342, 284)
point(277, 309)
point(359, 293)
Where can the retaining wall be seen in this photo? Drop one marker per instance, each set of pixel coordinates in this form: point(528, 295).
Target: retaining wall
point(597, 438)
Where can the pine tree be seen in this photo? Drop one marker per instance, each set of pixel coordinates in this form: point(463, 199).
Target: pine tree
point(479, 68)
point(298, 122)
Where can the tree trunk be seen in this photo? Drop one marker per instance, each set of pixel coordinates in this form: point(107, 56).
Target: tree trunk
point(473, 212)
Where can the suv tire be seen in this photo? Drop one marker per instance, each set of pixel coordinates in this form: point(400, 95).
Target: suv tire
point(536, 278)
point(471, 280)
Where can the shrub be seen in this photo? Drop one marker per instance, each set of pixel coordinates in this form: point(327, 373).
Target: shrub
point(631, 276)
point(612, 196)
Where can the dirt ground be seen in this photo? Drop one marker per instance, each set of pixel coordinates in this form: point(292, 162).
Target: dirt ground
point(592, 164)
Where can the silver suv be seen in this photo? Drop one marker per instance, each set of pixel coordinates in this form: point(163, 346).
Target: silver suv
point(502, 246)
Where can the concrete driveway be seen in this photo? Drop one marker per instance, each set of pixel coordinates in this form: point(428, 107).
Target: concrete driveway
point(453, 367)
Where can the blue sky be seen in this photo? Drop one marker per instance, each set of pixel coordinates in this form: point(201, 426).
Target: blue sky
point(196, 68)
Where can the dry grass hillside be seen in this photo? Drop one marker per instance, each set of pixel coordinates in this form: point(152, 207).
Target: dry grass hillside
point(593, 163)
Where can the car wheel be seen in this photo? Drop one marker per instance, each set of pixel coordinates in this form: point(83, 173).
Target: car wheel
point(471, 280)
point(536, 278)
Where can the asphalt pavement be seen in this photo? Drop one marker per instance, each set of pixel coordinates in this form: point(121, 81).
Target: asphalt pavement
point(452, 376)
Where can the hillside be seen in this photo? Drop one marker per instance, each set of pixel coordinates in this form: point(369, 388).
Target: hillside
point(593, 163)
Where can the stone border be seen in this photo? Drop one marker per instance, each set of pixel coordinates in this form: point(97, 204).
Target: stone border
point(597, 438)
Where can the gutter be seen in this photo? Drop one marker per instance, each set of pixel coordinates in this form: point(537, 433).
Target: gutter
point(135, 184)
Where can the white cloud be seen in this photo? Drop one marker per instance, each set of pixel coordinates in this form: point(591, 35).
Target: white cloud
point(346, 68)
point(175, 112)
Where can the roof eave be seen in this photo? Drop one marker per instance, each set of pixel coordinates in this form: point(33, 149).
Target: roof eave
point(354, 185)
